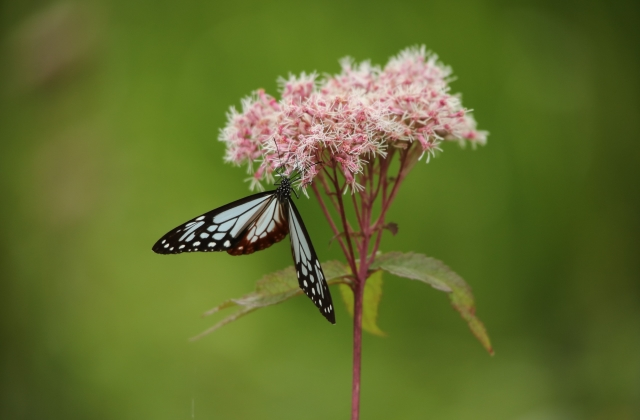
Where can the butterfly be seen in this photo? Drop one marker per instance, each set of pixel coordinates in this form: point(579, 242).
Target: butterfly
point(251, 224)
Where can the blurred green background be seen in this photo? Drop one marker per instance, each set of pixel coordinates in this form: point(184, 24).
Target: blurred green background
point(109, 118)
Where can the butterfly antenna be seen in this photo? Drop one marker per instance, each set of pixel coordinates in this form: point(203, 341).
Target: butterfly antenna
point(279, 168)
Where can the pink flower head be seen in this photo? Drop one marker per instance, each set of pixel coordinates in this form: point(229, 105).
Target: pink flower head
point(349, 118)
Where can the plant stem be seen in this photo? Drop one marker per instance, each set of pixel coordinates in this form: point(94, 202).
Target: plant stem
point(369, 226)
point(334, 228)
point(358, 293)
point(343, 215)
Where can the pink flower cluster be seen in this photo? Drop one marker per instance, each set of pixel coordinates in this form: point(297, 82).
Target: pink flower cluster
point(349, 118)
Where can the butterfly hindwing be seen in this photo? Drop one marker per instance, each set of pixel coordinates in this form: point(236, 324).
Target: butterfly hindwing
point(310, 275)
point(220, 229)
point(269, 227)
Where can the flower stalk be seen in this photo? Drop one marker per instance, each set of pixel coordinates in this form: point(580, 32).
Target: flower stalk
point(367, 235)
point(358, 294)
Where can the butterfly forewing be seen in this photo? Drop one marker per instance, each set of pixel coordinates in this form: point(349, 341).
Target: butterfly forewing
point(223, 229)
point(310, 275)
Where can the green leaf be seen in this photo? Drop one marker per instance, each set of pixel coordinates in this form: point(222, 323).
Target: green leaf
point(272, 289)
point(371, 300)
point(436, 274)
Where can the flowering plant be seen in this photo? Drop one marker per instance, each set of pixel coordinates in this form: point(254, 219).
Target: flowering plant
point(343, 133)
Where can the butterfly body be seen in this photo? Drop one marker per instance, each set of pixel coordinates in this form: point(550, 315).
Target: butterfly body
point(252, 224)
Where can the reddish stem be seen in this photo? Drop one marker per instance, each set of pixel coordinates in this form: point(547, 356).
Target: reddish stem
point(370, 226)
point(343, 215)
point(325, 210)
point(358, 293)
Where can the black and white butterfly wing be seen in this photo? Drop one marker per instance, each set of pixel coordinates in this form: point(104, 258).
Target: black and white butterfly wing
point(241, 227)
point(252, 224)
point(310, 275)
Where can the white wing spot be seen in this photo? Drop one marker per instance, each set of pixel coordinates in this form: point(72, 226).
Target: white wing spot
point(196, 243)
point(171, 249)
point(313, 291)
point(166, 245)
point(181, 246)
point(305, 283)
point(227, 244)
point(211, 244)
point(164, 240)
point(199, 218)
